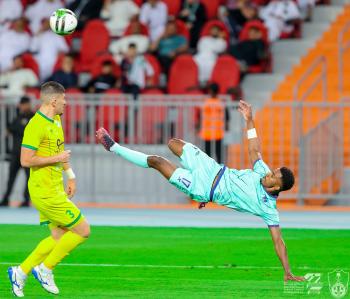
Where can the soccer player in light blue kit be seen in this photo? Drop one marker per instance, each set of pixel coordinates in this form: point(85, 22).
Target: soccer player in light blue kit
point(252, 191)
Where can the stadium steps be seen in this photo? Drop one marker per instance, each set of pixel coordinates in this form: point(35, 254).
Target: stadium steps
point(258, 88)
point(279, 137)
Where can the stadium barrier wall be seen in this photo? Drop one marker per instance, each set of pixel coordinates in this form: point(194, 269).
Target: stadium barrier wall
point(149, 122)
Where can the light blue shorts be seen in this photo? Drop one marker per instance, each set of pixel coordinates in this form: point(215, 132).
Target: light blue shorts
point(198, 174)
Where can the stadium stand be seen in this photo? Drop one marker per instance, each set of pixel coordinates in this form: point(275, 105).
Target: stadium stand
point(181, 82)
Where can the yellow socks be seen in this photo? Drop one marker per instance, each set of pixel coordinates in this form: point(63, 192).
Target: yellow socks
point(38, 255)
point(64, 246)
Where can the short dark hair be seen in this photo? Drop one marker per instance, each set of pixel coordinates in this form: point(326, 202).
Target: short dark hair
point(52, 87)
point(24, 100)
point(132, 45)
point(287, 178)
point(213, 89)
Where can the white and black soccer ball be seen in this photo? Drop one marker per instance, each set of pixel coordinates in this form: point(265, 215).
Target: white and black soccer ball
point(63, 21)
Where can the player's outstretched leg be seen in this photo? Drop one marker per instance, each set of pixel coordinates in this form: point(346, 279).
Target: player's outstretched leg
point(164, 166)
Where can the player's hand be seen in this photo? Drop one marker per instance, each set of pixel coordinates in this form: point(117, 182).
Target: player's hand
point(245, 109)
point(64, 156)
point(291, 277)
point(71, 187)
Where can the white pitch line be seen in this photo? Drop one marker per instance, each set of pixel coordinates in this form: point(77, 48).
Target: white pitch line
point(171, 266)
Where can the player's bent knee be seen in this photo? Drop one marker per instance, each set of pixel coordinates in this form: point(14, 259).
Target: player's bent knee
point(155, 161)
point(176, 145)
point(82, 229)
point(57, 233)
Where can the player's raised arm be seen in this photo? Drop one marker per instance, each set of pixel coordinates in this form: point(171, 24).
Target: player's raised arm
point(30, 159)
point(253, 140)
point(281, 251)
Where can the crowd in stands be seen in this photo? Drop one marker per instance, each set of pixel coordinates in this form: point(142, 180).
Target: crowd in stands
point(132, 45)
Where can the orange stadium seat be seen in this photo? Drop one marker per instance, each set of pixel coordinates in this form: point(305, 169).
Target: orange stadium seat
point(73, 116)
point(173, 7)
point(243, 35)
point(152, 118)
point(153, 61)
point(207, 26)
point(112, 117)
point(226, 73)
point(144, 29)
point(30, 63)
point(211, 7)
point(95, 40)
point(96, 65)
point(182, 29)
point(180, 81)
point(264, 65)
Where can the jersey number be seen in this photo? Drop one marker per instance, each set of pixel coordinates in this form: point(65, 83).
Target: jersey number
point(70, 213)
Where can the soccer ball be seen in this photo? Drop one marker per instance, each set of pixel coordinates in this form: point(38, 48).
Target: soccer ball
point(63, 21)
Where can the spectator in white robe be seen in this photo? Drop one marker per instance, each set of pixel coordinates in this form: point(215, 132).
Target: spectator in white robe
point(14, 81)
point(13, 42)
point(276, 16)
point(118, 14)
point(154, 14)
point(208, 49)
point(46, 47)
point(40, 10)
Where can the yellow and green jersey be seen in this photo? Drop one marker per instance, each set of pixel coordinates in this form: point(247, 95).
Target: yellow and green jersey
point(45, 135)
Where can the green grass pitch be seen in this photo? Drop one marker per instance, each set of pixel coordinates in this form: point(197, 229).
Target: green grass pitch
point(139, 262)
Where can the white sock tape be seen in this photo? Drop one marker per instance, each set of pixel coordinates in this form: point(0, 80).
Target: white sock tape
point(251, 133)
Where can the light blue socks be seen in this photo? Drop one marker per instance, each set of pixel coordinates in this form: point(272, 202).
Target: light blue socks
point(137, 158)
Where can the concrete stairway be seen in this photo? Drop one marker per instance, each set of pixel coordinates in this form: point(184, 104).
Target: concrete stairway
point(257, 88)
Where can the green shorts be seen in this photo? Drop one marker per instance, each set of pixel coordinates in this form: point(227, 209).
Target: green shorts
point(198, 174)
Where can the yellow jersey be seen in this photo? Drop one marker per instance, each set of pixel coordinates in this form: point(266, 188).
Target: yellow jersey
point(45, 136)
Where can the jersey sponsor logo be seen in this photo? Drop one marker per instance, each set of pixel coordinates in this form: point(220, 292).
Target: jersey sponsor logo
point(59, 143)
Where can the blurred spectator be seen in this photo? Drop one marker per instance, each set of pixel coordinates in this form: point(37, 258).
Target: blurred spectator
point(40, 10)
point(86, 10)
point(250, 52)
point(17, 79)
point(154, 14)
point(207, 51)
point(213, 123)
point(169, 45)
point(278, 16)
point(141, 41)
point(12, 43)
point(16, 129)
point(10, 10)
point(66, 75)
point(106, 80)
point(47, 45)
point(236, 17)
point(306, 7)
point(136, 72)
point(118, 14)
point(194, 15)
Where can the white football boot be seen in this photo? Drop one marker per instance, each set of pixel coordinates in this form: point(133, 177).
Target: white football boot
point(46, 279)
point(18, 280)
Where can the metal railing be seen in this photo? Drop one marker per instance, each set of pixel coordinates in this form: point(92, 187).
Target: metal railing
point(147, 125)
point(342, 48)
point(322, 77)
point(321, 157)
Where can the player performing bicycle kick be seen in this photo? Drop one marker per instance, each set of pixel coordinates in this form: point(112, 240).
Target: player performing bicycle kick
point(253, 191)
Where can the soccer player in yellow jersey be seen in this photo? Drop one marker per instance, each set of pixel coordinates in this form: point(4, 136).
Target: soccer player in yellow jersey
point(43, 151)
